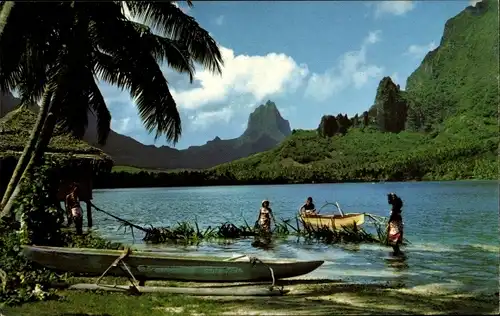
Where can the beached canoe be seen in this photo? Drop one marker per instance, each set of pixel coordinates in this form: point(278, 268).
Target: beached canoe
point(158, 266)
point(334, 222)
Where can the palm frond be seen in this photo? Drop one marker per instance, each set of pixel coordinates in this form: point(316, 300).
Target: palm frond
point(174, 52)
point(122, 61)
point(27, 48)
point(100, 111)
point(13, 35)
point(169, 21)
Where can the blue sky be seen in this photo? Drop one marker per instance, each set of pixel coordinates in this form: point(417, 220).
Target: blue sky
point(310, 58)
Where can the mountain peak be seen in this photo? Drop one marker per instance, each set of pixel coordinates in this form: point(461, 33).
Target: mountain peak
point(266, 119)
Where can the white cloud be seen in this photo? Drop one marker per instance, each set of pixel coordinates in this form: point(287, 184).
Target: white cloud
point(204, 119)
point(419, 51)
point(120, 125)
point(257, 77)
point(352, 69)
point(473, 2)
point(395, 78)
point(219, 20)
point(246, 81)
point(373, 37)
point(288, 111)
point(393, 7)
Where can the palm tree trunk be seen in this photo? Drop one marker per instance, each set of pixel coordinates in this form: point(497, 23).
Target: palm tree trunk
point(36, 158)
point(29, 148)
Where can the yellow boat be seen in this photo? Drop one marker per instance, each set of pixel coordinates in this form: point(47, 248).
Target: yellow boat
point(333, 222)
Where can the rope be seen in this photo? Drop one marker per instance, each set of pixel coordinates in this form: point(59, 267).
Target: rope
point(119, 219)
point(255, 260)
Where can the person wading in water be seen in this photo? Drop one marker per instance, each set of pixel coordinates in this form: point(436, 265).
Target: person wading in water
point(395, 225)
point(265, 216)
point(73, 206)
point(263, 226)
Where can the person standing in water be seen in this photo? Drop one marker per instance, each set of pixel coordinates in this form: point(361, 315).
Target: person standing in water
point(265, 216)
point(395, 225)
point(73, 206)
point(308, 208)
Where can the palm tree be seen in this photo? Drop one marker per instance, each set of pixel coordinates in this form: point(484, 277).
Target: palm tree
point(55, 51)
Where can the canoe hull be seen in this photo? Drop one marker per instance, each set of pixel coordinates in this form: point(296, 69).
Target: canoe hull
point(161, 267)
point(333, 222)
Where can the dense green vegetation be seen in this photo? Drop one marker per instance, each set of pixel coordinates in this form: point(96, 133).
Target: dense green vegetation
point(443, 127)
point(55, 59)
point(37, 222)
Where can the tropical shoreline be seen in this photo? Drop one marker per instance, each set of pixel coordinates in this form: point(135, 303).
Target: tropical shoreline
point(116, 181)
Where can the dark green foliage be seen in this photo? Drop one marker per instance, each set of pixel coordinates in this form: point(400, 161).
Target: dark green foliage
point(452, 126)
point(328, 126)
point(331, 125)
point(366, 119)
point(14, 133)
point(453, 96)
point(20, 280)
point(391, 107)
point(38, 222)
point(344, 123)
point(266, 120)
point(460, 77)
point(41, 220)
point(187, 233)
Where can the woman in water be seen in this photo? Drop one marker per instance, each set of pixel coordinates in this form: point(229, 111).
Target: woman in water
point(265, 216)
point(395, 225)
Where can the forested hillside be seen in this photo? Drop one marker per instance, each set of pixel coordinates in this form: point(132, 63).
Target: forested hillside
point(444, 126)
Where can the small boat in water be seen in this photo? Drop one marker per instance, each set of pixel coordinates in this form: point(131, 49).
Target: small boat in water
point(332, 221)
point(158, 266)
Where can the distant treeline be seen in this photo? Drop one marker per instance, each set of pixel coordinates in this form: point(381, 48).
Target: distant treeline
point(144, 179)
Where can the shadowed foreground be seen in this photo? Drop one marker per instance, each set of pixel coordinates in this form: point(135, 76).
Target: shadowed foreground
point(306, 298)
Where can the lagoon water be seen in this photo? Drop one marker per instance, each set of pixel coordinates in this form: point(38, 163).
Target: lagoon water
point(453, 227)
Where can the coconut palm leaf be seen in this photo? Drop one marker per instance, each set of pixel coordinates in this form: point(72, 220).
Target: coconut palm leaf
point(131, 67)
point(174, 52)
point(60, 48)
point(169, 21)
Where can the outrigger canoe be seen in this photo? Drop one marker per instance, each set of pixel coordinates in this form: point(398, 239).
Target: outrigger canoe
point(334, 222)
point(158, 266)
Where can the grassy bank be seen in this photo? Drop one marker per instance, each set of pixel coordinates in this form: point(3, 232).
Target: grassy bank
point(315, 297)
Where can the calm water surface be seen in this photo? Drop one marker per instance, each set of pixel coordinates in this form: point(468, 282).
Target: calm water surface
point(453, 227)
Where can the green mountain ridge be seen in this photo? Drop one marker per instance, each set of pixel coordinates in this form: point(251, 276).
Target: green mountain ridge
point(265, 129)
point(444, 125)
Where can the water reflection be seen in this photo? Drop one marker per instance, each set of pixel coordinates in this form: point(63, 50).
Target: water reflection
point(459, 250)
point(263, 242)
point(397, 262)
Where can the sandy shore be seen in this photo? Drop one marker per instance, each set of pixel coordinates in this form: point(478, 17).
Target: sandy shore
point(324, 297)
point(306, 297)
